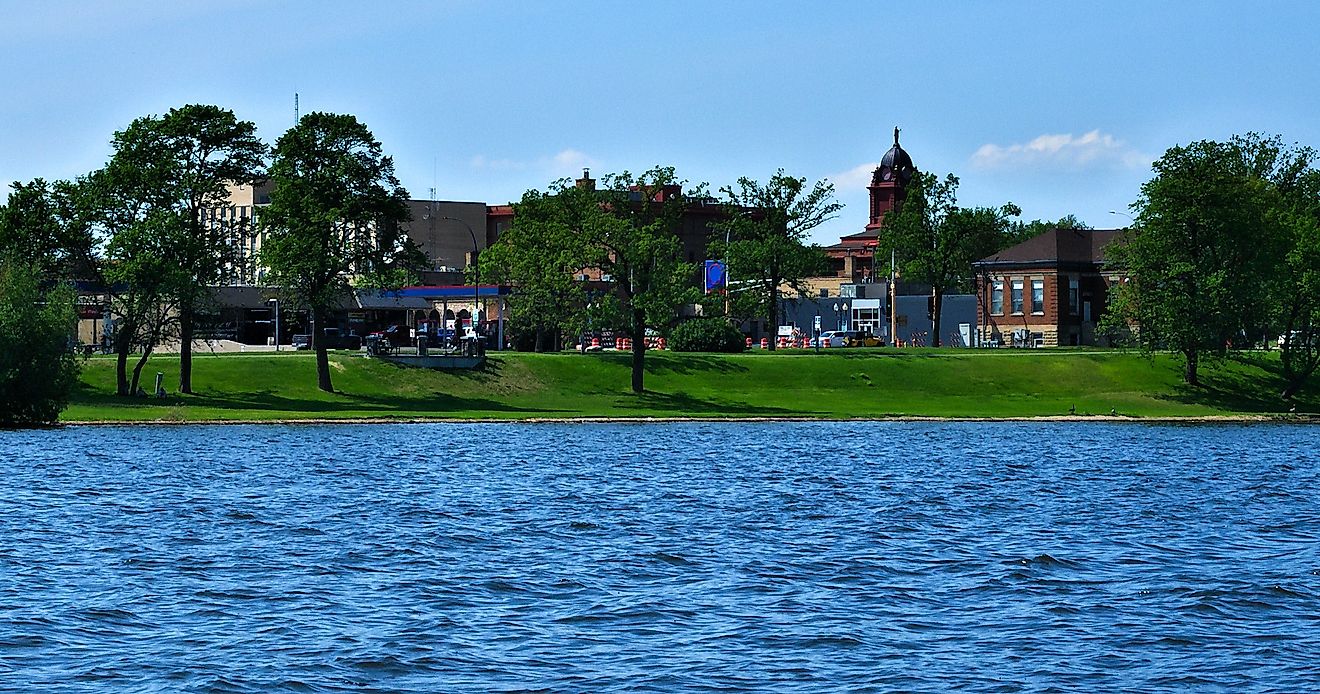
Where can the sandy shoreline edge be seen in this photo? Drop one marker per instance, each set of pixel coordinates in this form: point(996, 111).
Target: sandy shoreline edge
point(1202, 419)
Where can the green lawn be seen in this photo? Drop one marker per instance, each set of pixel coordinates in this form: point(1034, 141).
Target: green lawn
point(838, 384)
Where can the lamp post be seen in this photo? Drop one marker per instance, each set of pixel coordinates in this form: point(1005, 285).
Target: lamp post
point(476, 270)
point(1123, 214)
point(276, 302)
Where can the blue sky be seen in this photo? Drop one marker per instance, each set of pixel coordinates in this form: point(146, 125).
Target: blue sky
point(1057, 106)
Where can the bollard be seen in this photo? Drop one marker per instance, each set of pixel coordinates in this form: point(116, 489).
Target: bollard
point(765, 343)
point(749, 343)
point(662, 343)
point(595, 343)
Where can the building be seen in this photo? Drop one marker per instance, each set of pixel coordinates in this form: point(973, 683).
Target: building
point(1047, 291)
point(853, 257)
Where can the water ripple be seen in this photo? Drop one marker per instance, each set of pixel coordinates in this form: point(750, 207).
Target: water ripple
point(695, 557)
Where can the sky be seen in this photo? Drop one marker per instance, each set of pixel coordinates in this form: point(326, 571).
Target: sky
point(1058, 107)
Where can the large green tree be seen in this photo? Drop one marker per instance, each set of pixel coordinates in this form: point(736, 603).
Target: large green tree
point(935, 241)
point(37, 366)
point(766, 228)
point(1201, 256)
point(43, 224)
point(1295, 279)
point(333, 218)
point(622, 234)
point(194, 154)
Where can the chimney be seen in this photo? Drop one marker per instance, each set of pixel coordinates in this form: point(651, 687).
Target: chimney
point(586, 181)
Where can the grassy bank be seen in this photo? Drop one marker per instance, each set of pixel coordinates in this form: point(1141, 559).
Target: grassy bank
point(870, 383)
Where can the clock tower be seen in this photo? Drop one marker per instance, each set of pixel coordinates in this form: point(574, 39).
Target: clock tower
point(889, 183)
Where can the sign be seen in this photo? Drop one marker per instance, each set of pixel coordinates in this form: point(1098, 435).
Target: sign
point(716, 276)
point(816, 324)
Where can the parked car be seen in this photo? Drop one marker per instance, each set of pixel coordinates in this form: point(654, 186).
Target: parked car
point(831, 338)
point(396, 335)
point(862, 338)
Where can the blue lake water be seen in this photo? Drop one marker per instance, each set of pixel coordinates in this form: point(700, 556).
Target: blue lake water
point(779, 557)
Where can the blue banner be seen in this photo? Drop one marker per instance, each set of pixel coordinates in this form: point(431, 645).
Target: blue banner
point(716, 277)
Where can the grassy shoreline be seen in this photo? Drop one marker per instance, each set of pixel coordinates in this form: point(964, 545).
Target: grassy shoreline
point(1096, 385)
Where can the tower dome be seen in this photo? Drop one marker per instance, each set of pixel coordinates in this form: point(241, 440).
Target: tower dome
point(896, 166)
point(889, 183)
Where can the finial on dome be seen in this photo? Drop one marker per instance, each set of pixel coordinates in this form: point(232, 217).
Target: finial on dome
point(895, 135)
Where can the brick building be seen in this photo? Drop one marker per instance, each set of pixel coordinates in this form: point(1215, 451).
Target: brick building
point(853, 257)
point(1047, 291)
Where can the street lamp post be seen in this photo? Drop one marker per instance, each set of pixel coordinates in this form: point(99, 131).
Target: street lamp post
point(476, 270)
point(1123, 214)
point(276, 302)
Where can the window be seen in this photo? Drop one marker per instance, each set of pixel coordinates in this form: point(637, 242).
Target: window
point(997, 298)
point(1072, 295)
point(1038, 296)
point(1017, 296)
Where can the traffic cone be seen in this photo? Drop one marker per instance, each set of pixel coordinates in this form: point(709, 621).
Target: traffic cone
point(662, 343)
point(765, 343)
point(749, 343)
point(595, 343)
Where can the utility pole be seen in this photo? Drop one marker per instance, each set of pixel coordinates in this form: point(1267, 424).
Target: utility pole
point(893, 299)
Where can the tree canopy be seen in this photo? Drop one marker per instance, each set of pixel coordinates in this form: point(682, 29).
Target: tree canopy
point(37, 367)
point(767, 227)
point(623, 235)
point(333, 219)
point(935, 241)
point(1207, 239)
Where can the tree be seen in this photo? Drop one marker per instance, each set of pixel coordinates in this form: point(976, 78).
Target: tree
point(43, 225)
point(624, 233)
point(194, 153)
point(936, 242)
point(333, 218)
point(1295, 292)
point(1021, 231)
point(1200, 257)
point(37, 367)
point(141, 234)
point(767, 227)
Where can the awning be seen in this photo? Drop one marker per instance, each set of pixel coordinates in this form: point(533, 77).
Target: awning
point(389, 301)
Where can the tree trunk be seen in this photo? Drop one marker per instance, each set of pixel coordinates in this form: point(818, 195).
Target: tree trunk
point(937, 306)
point(772, 315)
point(322, 359)
point(1189, 373)
point(123, 345)
point(185, 347)
point(121, 368)
point(137, 370)
point(638, 349)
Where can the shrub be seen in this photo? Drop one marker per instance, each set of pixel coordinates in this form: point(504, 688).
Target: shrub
point(37, 366)
point(706, 335)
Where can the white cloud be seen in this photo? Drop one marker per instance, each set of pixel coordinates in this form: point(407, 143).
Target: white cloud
point(563, 163)
point(855, 178)
point(1091, 150)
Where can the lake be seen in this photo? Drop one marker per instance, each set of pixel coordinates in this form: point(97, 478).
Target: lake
point(785, 557)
